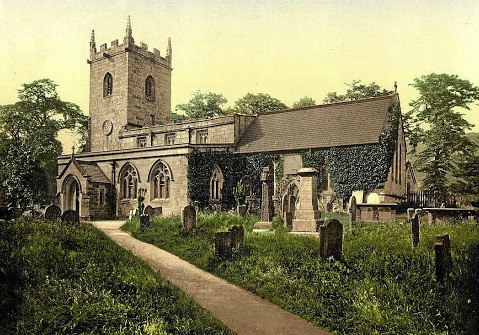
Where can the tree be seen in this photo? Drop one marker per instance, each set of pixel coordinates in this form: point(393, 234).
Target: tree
point(357, 91)
point(203, 105)
point(257, 103)
point(467, 174)
point(435, 121)
point(304, 102)
point(28, 131)
point(176, 117)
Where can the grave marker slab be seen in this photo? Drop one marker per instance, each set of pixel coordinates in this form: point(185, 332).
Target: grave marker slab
point(331, 240)
point(415, 230)
point(144, 222)
point(354, 209)
point(70, 217)
point(188, 218)
point(442, 250)
point(223, 247)
point(52, 212)
point(149, 210)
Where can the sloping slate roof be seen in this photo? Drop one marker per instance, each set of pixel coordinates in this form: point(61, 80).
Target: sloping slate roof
point(94, 171)
point(324, 126)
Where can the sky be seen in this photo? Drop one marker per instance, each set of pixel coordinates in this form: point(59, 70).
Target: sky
point(287, 49)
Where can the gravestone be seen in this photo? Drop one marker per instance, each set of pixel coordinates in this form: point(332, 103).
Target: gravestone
point(415, 230)
point(144, 222)
point(241, 210)
point(265, 197)
point(149, 210)
point(410, 213)
point(442, 250)
point(158, 211)
point(130, 216)
point(353, 211)
point(52, 212)
point(331, 240)
point(237, 236)
point(223, 247)
point(307, 216)
point(188, 218)
point(70, 217)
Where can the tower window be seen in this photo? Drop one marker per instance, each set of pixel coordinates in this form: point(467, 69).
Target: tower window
point(149, 88)
point(107, 85)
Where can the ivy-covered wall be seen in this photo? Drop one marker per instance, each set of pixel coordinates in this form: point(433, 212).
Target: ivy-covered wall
point(361, 167)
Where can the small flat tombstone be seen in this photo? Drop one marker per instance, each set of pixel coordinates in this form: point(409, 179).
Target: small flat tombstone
point(188, 218)
point(52, 212)
point(331, 240)
point(149, 210)
point(223, 247)
point(70, 217)
point(144, 222)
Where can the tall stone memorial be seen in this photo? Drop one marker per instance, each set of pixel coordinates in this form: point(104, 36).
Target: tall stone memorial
point(307, 216)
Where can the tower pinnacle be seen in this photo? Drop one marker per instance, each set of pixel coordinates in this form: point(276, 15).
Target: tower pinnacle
point(92, 43)
point(169, 52)
point(128, 35)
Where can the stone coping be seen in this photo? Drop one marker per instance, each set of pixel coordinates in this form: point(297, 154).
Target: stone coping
point(393, 204)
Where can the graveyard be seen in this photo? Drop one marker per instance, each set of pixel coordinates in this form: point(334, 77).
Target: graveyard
point(382, 278)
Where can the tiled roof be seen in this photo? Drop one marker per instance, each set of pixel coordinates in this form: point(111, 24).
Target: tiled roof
point(94, 172)
point(323, 126)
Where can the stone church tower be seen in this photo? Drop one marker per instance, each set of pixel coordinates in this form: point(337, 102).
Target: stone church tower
point(130, 87)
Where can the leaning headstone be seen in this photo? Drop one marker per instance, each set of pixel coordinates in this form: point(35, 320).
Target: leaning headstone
point(52, 212)
point(149, 210)
point(415, 230)
point(442, 249)
point(237, 236)
point(144, 222)
point(353, 208)
point(70, 217)
point(188, 218)
point(331, 240)
point(223, 247)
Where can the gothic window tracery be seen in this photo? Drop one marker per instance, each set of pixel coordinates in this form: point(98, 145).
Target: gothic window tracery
point(216, 184)
point(107, 85)
point(129, 182)
point(160, 181)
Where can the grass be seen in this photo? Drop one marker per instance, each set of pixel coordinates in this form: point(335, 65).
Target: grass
point(74, 280)
point(381, 286)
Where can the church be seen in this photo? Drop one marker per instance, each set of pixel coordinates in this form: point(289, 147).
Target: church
point(133, 149)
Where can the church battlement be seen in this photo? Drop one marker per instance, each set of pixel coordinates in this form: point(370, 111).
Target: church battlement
point(128, 45)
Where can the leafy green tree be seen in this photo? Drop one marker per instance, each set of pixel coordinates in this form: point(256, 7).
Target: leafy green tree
point(177, 117)
point(467, 174)
point(357, 91)
point(304, 102)
point(257, 103)
point(203, 105)
point(28, 131)
point(436, 122)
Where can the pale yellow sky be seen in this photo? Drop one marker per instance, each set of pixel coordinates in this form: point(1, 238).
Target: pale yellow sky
point(288, 49)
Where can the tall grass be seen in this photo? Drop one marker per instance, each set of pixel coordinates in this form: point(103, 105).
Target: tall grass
point(381, 286)
point(74, 280)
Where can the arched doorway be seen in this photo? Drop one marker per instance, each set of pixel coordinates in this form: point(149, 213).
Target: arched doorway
point(72, 195)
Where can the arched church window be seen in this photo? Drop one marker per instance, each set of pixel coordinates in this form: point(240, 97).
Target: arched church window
point(160, 181)
point(149, 88)
point(107, 85)
point(129, 182)
point(216, 183)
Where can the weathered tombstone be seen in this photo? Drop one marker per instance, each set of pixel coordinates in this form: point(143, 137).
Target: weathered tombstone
point(265, 198)
point(52, 212)
point(158, 211)
point(241, 210)
point(331, 240)
point(353, 211)
point(410, 213)
point(144, 222)
point(188, 218)
point(149, 210)
point(307, 216)
point(236, 235)
point(70, 217)
point(130, 216)
point(442, 249)
point(223, 247)
point(415, 230)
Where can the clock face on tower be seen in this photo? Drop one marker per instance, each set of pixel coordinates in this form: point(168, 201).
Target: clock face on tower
point(107, 127)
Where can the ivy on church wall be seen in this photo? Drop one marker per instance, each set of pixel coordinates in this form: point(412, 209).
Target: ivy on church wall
point(361, 167)
point(234, 168)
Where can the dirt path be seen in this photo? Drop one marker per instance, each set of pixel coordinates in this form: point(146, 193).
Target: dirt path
point(242, 311)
